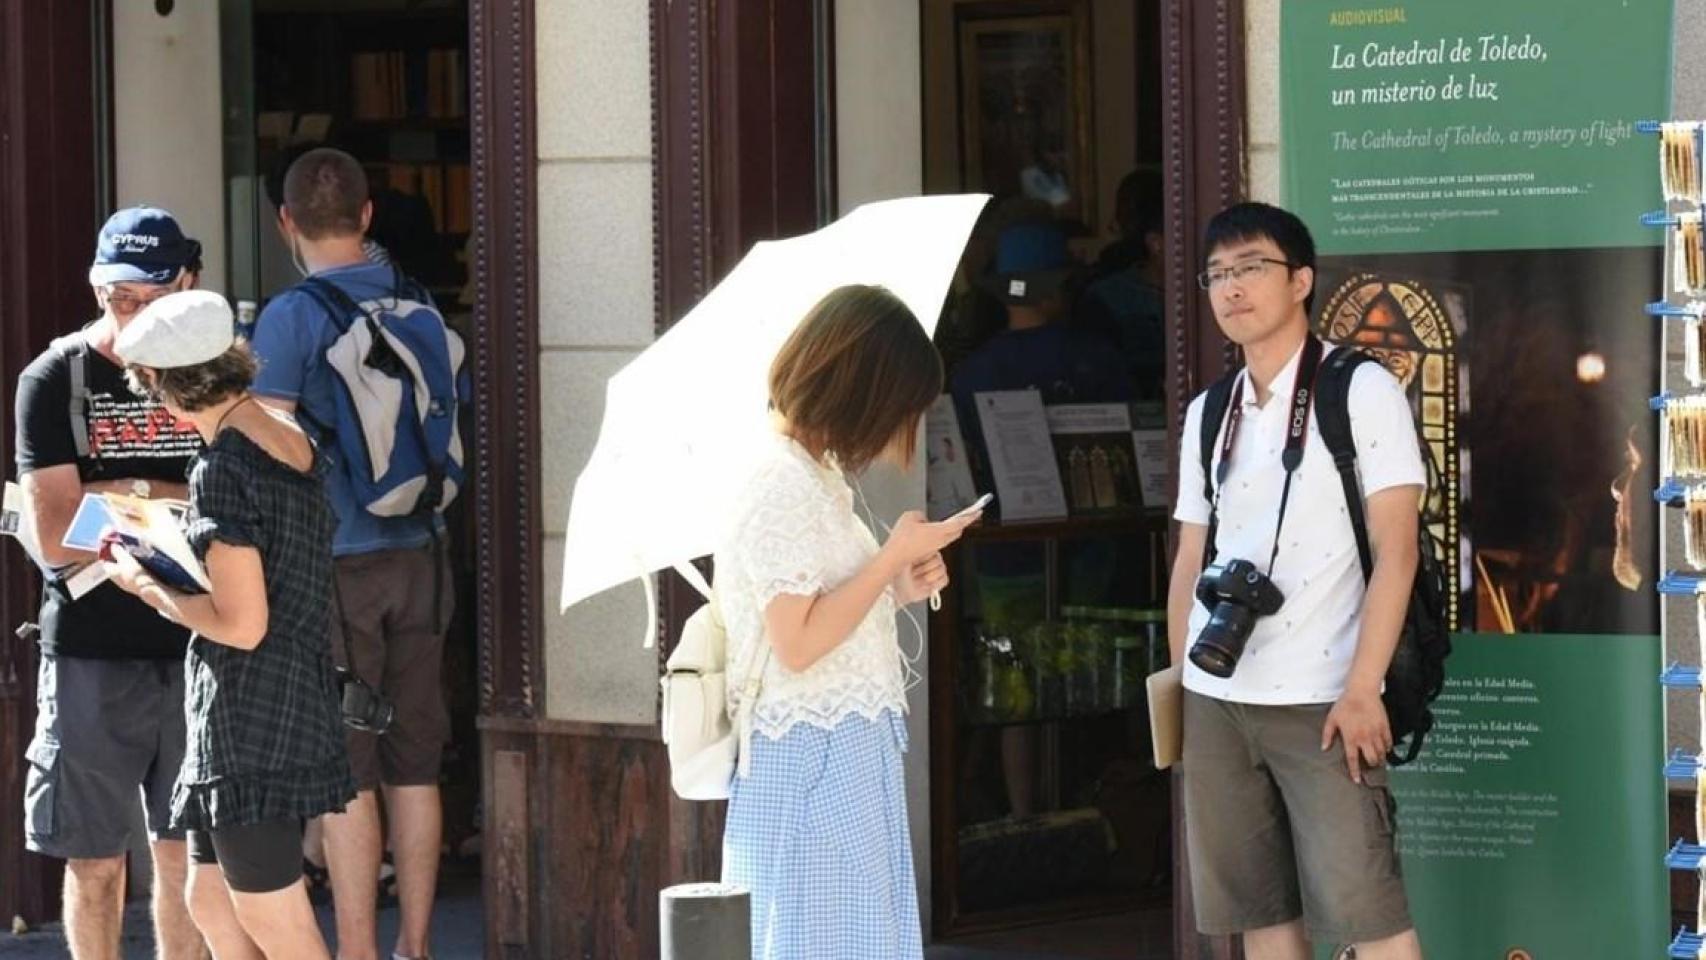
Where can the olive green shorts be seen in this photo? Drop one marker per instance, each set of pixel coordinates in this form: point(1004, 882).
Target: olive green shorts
point(1277, 829)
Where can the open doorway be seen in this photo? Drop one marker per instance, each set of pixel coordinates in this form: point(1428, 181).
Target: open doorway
point(387, 82)
point(1051, 830)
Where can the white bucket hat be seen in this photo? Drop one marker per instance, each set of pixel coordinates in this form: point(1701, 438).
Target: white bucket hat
point(178, 330)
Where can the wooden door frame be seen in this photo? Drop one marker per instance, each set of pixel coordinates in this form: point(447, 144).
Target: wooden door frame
point(51, 185)
point(581, 828)
point(1204, 108)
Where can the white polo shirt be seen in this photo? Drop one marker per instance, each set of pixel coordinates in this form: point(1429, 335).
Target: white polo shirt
point(1303, 653)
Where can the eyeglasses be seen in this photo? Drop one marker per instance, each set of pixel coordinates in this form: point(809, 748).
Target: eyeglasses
point(1239, 272)
point(129, 303)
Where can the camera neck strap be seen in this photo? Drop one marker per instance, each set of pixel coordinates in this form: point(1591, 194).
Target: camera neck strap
point(343, 622)
point(1297, 431)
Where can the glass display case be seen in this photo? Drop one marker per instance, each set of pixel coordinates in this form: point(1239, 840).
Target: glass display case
point(1045, 800)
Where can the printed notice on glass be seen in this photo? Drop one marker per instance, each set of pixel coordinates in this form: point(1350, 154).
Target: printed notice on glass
point(1021, 455)
point(1153, 459)
point(948, 485)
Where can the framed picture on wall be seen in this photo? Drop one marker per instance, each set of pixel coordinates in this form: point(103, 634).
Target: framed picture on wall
point(1025, 103)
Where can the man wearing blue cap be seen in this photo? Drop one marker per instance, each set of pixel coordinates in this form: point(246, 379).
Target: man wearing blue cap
point(110, 695)
point(1037, 350)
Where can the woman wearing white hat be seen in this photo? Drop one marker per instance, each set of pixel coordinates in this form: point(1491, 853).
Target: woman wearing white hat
point(266, 745)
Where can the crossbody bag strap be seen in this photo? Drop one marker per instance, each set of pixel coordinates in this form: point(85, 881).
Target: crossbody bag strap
point(343, 622)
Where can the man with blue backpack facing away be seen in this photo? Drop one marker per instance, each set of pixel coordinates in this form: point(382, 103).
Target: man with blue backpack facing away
point(360, 354)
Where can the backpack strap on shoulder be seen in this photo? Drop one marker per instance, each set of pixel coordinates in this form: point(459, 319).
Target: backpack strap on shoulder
point(75, 349)
point(1215, 400)
point(1333, 418)
point(338, 305)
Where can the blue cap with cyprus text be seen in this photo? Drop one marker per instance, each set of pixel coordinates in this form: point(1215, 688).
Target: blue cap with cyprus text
point(141, 245)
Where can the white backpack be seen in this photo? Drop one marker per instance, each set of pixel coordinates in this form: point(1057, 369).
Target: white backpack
point(707, 747)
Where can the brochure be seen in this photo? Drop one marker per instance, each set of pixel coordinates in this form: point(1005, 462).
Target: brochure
point(153, 531)
point(948, 485)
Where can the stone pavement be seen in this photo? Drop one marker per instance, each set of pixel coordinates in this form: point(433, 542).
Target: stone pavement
point(458, 925)
point(458, 934)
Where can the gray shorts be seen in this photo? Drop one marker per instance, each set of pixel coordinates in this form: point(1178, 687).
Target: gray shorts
point(1277, 829)
point(108, 733)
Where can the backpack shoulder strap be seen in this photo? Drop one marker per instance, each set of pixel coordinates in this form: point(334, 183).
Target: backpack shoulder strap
point(408, 287)
point(340, 306)
point(1215, 400)
point(1333, 418)
point(75, 349)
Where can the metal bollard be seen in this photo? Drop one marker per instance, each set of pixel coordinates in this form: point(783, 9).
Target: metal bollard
point(705, 921)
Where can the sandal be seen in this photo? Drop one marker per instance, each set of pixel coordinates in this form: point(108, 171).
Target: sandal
point(387, 884)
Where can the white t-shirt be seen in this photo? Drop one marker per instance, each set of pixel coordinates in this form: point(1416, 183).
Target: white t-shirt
point(1303, 653)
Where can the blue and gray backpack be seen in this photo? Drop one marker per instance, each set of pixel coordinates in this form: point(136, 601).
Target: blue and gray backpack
point(400, 386)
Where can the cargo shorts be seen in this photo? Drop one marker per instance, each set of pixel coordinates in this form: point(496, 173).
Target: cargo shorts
point(109, 734)
point(1277, 830)
point(388, 602)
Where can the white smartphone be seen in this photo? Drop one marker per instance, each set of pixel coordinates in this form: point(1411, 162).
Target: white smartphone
point(976, 506)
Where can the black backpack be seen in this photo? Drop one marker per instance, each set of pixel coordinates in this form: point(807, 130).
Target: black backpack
point(1417, 673)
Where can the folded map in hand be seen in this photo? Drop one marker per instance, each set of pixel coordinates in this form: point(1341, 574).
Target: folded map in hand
point(152, 530)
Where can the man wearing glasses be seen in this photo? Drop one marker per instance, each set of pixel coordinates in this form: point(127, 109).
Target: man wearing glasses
point(110, 691)
point(1288, 818)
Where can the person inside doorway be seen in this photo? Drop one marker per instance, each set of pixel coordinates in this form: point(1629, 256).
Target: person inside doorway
point(1123, 301)
point(110, 688)
point(392, 605)
point(1288, 818)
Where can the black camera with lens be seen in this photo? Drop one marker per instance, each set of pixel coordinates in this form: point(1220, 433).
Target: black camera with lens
point(1236, 594)
point(362, 706)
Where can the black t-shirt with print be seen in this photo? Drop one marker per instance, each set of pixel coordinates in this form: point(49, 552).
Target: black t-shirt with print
point(129, 438)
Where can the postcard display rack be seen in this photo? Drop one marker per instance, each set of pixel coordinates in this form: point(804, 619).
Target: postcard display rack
point(1682, 408)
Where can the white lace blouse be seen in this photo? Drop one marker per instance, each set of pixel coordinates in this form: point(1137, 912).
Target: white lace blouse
point(794, 531)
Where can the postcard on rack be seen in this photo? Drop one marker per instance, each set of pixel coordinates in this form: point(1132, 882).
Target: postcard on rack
point(152, 530)
point(948, 484)
point(1021, 455)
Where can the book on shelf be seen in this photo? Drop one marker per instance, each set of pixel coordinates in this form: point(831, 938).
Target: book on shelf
point(393, 85)
point(458, 198)
point(445, 187)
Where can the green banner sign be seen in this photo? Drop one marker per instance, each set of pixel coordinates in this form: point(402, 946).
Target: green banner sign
point(1474, 180)
point(1535, 820)
point(1473, 125)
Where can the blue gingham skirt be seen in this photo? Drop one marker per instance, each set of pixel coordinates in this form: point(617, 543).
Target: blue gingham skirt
point(817, 831)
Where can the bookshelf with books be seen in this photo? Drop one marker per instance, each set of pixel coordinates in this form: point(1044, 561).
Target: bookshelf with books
point(390, 87)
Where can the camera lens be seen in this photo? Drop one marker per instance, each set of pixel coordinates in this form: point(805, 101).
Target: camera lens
point(1222, 640)
point(1212, 660)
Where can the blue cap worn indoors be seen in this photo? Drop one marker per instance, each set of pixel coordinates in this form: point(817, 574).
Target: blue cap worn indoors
point(141, 245)
point(1031, 263)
